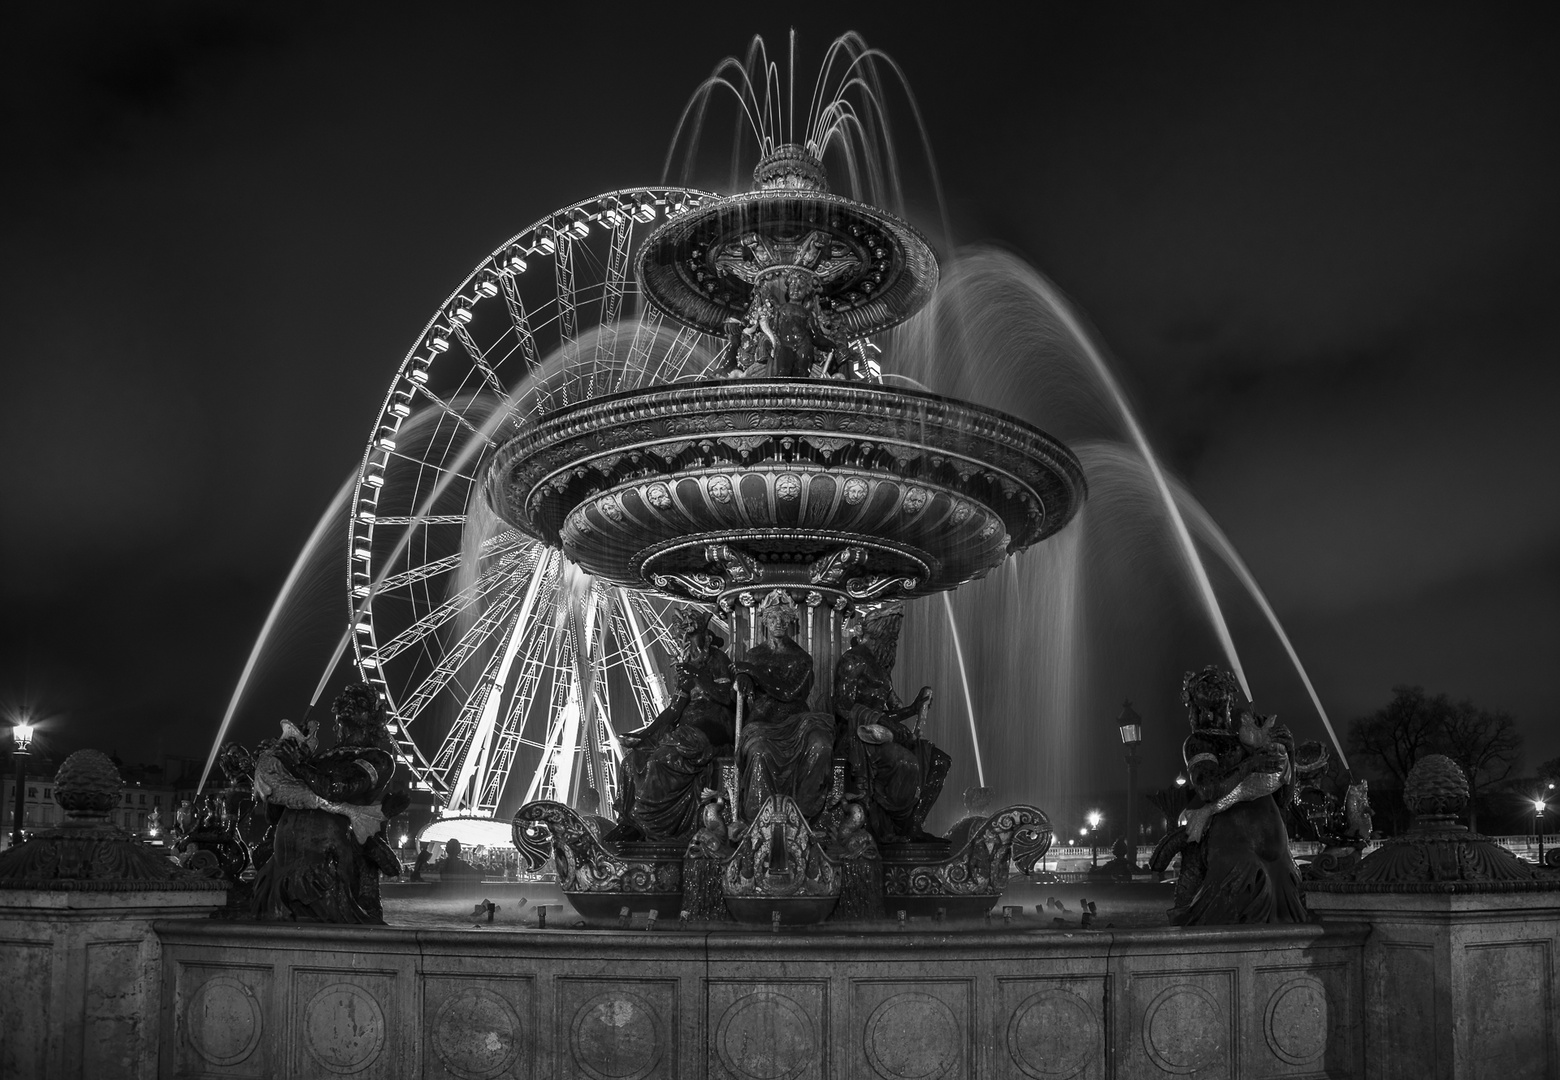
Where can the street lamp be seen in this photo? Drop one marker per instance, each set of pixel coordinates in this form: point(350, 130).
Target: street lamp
point(1130, 725)
point(23, 734)
point(1539, 806)
point(1095, 817)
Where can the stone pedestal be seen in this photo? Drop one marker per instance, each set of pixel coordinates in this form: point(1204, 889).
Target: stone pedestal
point(1457, 984)
point(81, 971)
point(79, 964)
point(1460, 964)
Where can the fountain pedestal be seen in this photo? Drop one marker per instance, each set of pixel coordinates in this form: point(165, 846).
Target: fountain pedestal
point(80, 960)
point(1459, 969)
point(1457, 984)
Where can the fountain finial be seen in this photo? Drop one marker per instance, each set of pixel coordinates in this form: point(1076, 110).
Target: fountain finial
point(792, 167)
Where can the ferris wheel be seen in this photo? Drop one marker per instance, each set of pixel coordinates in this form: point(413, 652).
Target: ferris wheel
point(508, 672)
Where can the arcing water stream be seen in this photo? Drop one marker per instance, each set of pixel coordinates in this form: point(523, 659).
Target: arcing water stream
point(1040, 628)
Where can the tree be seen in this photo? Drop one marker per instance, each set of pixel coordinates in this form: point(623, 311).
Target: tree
point(1485, 744)
point(1400, 734)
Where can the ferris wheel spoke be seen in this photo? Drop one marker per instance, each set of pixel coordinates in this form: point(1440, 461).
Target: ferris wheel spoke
point(535, 635)
point(479, 715)
point(479, 361)
point(647, 329)
point(423, 463)
point(456, 656)
point(568, 320)
point(459, 742)
point(429, 519)
point(456, 414)
point(635, 646)
point(451, 607)
point(676, 357)
point(652, 622)
point(408, 754)
point(525, 335)
point(508, 539)
point(612, 298)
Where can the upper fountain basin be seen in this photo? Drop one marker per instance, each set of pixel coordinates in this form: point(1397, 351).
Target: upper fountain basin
point(853, 490)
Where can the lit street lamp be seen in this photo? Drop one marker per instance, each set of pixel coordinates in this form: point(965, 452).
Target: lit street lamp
point(1095, 817)
point(23, 734)
point(1539, 806)
point(1130, 725)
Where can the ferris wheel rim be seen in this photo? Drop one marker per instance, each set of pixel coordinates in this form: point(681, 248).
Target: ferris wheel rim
point(492, 277)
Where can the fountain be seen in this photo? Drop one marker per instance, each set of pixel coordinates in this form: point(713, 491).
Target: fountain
point(770, 904)
point(790, 478)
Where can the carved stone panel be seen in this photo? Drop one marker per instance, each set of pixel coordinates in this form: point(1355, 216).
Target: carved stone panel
point(339, 1024)
point(1180, 1024)
point(918, 1030)
point(1300, 1021)
point(221, 1020)
point(618, 1029)
point(478, 1030)
point(1511, 1017)
point(25, 1019)
point(774, 1030)
point(117, 1030)
point(1049, 1029)
point(1408, 974)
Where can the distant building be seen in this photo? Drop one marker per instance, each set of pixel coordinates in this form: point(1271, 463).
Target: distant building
point(146, 789)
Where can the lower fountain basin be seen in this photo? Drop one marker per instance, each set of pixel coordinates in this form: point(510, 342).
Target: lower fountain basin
point(652, 882)
point(277, 999)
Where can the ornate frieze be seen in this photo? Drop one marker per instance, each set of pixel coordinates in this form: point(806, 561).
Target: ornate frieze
point(937, 492)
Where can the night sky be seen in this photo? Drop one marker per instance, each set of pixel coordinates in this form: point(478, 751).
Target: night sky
point(1319, 242)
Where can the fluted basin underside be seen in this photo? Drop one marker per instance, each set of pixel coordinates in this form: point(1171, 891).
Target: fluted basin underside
point(853, 489)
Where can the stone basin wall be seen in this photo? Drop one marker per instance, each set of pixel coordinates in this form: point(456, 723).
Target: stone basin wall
point(265, 1000)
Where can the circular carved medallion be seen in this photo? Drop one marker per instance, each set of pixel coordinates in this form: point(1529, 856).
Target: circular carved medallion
point(1296, 1022)
point(616, 1036)
point(1184, 1029)
point(855, 490)
point(476, 1034)
point(766, 1036)
point(913, 1036)
point(1053, 1033)
point(788, 486)
point(343, 1028)
point(223, 1020)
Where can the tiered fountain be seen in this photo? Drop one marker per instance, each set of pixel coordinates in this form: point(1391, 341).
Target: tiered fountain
point(792, 481)
point(794, 494)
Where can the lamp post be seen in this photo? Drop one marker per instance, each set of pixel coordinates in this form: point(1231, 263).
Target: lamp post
point(1539, 806)
point(1095, 817)
point(1130, 725)
point(22, 733)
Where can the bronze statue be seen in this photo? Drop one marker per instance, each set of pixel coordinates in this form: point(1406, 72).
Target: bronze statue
point(899, 773)
point(977, 811)
point(783, 749)
point(786, 333)
point(672, 759)
point(1235, 862)
point(329, 809)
